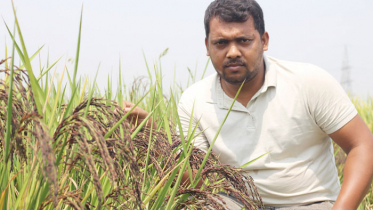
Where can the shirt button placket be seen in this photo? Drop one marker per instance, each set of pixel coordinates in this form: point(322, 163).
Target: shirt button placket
point(250, 121)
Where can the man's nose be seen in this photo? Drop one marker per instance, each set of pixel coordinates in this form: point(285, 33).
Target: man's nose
point(233, 52)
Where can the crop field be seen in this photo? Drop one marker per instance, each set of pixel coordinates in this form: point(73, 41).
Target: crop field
point(72, 146)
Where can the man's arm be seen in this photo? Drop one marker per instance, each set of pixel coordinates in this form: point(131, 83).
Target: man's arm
point(356, 140)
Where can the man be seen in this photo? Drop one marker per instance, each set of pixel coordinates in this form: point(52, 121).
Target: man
point(286, 109)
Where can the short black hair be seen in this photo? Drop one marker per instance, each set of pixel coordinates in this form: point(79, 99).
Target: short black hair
point(235, 11)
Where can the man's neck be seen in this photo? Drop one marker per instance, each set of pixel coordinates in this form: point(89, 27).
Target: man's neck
point(248, 89)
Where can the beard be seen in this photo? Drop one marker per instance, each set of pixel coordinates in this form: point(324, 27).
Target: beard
point(239, 77)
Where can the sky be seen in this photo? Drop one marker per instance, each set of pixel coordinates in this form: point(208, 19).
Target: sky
point(316, 32)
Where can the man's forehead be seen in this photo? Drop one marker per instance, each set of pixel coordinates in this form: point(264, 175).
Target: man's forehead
point(219, 27)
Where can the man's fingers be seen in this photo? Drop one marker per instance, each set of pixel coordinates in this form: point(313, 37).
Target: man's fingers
point(137, 114)
point(128, 104)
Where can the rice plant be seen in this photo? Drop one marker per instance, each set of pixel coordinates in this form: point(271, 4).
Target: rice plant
point(81, 152)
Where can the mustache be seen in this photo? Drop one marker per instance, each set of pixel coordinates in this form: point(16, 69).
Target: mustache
point(236, 61)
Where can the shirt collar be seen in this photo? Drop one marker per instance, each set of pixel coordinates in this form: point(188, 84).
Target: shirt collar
point(270, 78)
point(222, 100)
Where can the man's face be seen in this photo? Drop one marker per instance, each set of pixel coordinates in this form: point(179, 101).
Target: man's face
point(236, 49)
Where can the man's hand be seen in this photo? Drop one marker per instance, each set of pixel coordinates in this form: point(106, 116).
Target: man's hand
point(185, 180)
point(137, 115)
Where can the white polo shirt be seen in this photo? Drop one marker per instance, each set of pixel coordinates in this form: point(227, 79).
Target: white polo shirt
point(290, 116)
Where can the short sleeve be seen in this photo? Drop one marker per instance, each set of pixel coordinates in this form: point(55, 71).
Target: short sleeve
point(328, 103)
point(184, 111)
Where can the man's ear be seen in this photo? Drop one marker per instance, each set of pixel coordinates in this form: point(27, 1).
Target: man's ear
point(265, 40)
point(207, 47)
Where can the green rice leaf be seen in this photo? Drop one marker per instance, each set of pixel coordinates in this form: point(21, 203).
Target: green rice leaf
point(251, 161)
point(160, 98)
point(54, 108)
point(36, 90)
point(59, 156)
point(6, 54)
point(68, 77)
point(127, 114)
point(77, 50)
point(120, 93)
point(9, 109)
point(147, 68)
point(147, 160)
point(90, 94)
point(178, 181)
point(69, 106)
point(207, 64)
point(47, 70)
point(33, 56)
point(143, 122)
point(20, 54)
point(160, 184)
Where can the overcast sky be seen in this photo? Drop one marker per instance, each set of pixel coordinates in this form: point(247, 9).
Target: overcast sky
point(314, 31)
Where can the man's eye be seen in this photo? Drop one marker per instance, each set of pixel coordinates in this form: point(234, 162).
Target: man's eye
point(221, 42)
point(245, 40)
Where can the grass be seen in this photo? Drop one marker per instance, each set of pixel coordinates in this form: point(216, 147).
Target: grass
point(71, 146)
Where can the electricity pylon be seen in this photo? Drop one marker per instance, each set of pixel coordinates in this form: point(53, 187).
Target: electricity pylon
point(345, 74)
